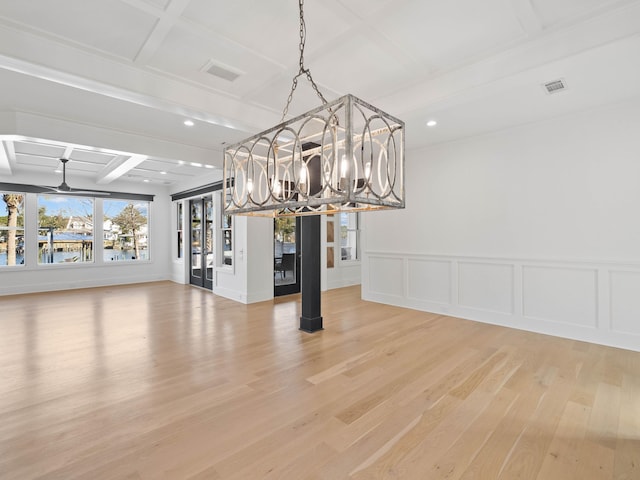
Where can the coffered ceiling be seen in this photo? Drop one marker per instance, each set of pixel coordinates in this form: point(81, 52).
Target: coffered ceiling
point(110, 83)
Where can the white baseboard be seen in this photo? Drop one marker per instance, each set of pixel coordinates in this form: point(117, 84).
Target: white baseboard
point(230, 294)
point(76, 284)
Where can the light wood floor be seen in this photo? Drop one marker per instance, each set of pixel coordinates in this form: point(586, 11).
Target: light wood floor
point(161, 380)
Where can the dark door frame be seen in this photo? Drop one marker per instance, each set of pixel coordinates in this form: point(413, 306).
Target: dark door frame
point(290, 288)
point(203, 280)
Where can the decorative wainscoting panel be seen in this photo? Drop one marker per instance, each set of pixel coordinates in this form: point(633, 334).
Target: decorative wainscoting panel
point(429, 280)
point(625, 301)
point(593, 301)
point(566, 295)
point(486, 286)
point(386, 275)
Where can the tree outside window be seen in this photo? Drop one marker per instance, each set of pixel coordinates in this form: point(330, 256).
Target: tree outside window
point(12, 229)
point(125, 230)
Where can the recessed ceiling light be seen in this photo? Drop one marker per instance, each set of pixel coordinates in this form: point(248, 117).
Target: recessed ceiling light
point(146, 180)
point(194, 164)
point(431, 123)
point(209, 166)
point(163, 173)
point(189, 123)
point(180, 162)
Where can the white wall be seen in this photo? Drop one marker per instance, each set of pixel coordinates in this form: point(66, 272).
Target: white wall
point(259, 258)
point(535, 227)
point(251, 278)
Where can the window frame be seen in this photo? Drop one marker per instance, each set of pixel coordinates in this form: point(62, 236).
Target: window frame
point(65, 263)
point(220, 228)
point(133, 261)
point(17, 228)
point(179, 235)
point(356, 230)
point(31, 229)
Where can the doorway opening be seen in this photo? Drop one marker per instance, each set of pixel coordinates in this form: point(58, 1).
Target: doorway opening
point(286, 255)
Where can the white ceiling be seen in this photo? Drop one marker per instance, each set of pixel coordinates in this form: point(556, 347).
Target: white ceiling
point(109, 84)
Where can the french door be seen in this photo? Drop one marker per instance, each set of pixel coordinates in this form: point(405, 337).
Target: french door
point(202, 246)
point(286, 255)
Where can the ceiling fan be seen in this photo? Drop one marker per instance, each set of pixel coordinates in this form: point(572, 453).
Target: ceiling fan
point(63, 188)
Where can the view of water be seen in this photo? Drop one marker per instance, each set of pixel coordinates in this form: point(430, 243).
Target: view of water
point(116, 255)
point(63, 257)
point(3, 259)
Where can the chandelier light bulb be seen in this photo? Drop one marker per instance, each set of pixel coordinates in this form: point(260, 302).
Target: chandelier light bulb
point(303, 179)
point(250, 185)
point(344, 167)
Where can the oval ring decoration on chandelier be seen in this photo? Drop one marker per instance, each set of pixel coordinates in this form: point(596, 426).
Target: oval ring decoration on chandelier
point(345, 155)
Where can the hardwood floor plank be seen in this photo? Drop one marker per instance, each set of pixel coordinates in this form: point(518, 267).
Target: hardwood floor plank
point(495, 452)
point(564, 452)
point(605, 412)
point(527, 454)
point(412, 453)
point(627, 448)
point(456, 459)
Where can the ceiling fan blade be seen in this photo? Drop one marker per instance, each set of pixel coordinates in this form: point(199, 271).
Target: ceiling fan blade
point(65, 189)
point(74, 191)
point(95, 193)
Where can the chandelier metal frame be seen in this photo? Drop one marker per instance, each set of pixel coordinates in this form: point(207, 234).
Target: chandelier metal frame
point(345, 155)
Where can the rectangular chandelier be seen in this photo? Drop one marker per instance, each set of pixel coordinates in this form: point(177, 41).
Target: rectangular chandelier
point(345, 155)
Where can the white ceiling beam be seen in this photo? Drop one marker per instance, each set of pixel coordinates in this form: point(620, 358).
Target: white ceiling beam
point(5, 162)
point(526, 15)
point(160, 31)
point(122, 93)
point(117, 167)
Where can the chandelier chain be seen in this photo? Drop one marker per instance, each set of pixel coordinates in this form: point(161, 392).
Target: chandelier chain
point(302, 70)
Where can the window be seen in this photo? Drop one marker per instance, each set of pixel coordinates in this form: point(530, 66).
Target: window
point(224, 233)
point(179, 219)
point(125, 230)
point(227, 239)
point(349, 233)
point(65, 229)
point(11, 229)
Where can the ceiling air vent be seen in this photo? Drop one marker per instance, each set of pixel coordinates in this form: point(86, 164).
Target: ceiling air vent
point(220, 71)
point(555, 87)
